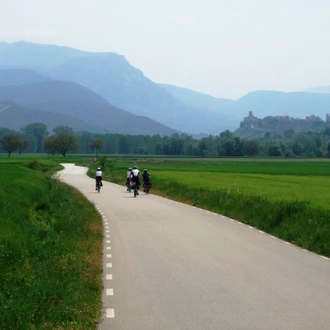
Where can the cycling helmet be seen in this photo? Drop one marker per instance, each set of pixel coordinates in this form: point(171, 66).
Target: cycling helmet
point(99, 169)
point(130, 169)
point(145, 170)
point(135, 167)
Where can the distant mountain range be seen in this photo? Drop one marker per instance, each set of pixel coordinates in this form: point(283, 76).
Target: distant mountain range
point(103, 91)
point(113, 78)
point(15, 117)
point(273, 103)
point(68, 100)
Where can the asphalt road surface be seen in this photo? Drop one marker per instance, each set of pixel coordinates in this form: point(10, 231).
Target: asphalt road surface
point(172, 266)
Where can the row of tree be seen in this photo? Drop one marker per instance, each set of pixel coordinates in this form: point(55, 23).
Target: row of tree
point(36, 138)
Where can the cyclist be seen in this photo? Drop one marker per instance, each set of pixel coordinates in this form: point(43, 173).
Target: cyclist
point(98, 177)
point(128, 178)
point(146, 179)
point(136, 177)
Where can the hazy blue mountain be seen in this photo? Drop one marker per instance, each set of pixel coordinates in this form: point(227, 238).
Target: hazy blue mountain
point(112, 77)
point(211, 107)
point(20, 76)
point(197, 99)
point(74, 100)
point(15, 117)
point(125, 87)
point(26, 54)
point(273, 103)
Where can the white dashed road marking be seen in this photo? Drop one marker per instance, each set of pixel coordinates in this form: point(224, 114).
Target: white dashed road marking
point(109, 292)
point(110, 313)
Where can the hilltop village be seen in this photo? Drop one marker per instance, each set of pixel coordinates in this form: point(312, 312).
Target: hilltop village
point(283, 123)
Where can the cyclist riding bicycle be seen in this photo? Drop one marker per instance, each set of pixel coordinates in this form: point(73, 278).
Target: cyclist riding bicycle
point(98, 177)
point(128, 178)
point(146, 179)
point(136, 177)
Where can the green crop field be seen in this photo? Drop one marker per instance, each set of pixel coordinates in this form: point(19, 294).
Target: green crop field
point(306, 181)
point(312, 189)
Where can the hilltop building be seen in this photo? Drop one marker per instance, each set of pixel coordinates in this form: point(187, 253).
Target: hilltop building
point(282, 123)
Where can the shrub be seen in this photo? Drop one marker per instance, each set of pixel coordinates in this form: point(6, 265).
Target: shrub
point(33, 164)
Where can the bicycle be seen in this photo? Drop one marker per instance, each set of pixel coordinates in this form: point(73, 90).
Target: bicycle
point(98, 185)
point(147, 187)
point(135, 189)
point(129, 186)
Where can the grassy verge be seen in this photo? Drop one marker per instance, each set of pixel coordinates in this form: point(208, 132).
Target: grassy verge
point(286, 199)
point(50, 251)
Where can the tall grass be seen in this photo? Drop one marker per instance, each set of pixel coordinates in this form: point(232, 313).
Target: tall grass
point(50, 252)
point(312, 189)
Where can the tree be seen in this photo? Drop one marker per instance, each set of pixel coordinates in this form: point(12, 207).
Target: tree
point(84, 140)
point(251, 147)
point(175, 145)
point(326, 131)
point(202, 149)
point(50, 144)
point(267, 137)
point(123, 145)
point(62, 143)
point(274, 150)
point(288, 133)
point(96, 144)
point(39, 131)
point(237, 147)
point(62, 129)
point(229, 145)
point(10, 142)
point(159, 148)
point(23, 144)
point(297, 148)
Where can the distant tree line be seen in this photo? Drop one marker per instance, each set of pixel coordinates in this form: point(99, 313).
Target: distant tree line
point(35, 138)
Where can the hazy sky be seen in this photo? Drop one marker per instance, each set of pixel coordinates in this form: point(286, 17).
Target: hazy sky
point(224, 48)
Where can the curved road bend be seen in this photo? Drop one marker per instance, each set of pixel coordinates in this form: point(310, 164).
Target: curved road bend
point(172, 266)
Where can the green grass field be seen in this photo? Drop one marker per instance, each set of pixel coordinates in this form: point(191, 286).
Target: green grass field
point(311, 189)
point(50, 250)
point(306, 181)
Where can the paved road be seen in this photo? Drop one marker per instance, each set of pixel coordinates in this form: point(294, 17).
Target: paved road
point(172, 266)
